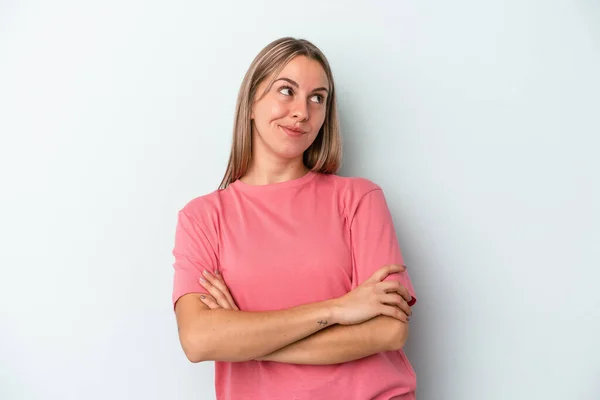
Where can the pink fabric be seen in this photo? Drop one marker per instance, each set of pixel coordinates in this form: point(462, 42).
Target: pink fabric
point(287, 244)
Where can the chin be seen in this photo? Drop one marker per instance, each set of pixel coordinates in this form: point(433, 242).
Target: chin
point(284, 147)
point(290, 154)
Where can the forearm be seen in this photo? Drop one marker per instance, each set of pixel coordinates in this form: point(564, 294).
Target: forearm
point(340, 343)
point(228, 335)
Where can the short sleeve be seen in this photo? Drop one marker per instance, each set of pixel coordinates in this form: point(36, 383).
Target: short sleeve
point(374, 242)
point(193, 252)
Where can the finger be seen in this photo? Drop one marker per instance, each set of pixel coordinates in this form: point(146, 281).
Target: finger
point(398, 301)
point(227, 292)
point(395, 286)
point(403, 306)
point(219, 275)
point(216, 293)
point(219, 283)
point(215, 280)
point(406, 309)
point(384, 271)
point(389, 286)
point(403, 291)
point(210, 303)
point(393, 312)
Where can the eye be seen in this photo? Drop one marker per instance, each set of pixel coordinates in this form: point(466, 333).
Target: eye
point(317, 98)
point(286, 90)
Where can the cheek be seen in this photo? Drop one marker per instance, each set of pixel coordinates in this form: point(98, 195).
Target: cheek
point(268, 111)
point(319, 119)
point(277, 110)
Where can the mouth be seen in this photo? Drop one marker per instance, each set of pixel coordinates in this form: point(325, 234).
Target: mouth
point(292, 131)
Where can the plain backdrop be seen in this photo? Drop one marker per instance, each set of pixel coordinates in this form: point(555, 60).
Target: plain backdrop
point(480, 120)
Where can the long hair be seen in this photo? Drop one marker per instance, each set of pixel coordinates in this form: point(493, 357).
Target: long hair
point(325, 153)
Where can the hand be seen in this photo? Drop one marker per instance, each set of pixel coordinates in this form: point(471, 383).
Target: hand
point(221, 298)
point(374, 297)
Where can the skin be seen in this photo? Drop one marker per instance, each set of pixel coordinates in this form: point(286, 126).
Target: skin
point(298, 98)
point(371, 318)
point(339, 343)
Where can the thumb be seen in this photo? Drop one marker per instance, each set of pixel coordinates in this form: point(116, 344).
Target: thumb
point(384, 271)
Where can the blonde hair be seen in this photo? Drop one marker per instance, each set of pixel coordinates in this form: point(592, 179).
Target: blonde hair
point(325, 153)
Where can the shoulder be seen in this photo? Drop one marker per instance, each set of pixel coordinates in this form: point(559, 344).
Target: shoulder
point(350, 190)
point(203, 208)
point(350, 186)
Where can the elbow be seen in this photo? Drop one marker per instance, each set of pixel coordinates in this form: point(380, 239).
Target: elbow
point(397, 335)
point(194, 356)
point(193, 348)
point(199, 348)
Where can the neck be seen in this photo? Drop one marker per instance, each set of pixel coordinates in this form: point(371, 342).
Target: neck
point(263, 171)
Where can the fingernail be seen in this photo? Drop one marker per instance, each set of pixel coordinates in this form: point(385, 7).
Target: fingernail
point(217, 272)
point(202, 296)
point(205, 272)
point(202, 280)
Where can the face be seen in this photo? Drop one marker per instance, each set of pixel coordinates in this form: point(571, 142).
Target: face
point(287, 119)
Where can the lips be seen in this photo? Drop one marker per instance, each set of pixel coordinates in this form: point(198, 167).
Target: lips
point(292, 131)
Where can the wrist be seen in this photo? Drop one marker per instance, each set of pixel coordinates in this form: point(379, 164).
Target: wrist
point(332, 311)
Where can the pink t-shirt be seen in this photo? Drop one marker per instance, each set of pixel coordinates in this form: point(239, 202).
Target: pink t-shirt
point(278, 246)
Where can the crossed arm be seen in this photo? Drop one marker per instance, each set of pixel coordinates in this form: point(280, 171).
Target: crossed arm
point(341, 343)
point(307, 334)
point(327, 332)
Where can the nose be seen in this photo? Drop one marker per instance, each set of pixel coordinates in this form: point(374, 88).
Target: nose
point(300, 110)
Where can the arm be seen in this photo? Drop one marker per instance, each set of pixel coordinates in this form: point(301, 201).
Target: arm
point(229, 335)
point(209, 332)
point(374, 243)
point(233, 335)
point(339, 343)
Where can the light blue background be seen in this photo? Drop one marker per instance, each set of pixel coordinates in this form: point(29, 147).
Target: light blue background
point(480, 120)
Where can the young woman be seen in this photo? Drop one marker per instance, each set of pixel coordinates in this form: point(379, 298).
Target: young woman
point(288, 276)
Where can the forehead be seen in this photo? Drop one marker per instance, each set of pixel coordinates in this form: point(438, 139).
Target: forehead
point(308, 73)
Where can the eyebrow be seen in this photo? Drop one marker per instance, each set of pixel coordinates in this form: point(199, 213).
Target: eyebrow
point(293, 83)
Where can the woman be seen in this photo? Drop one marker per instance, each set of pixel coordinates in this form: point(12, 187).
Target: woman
point(290, 277)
